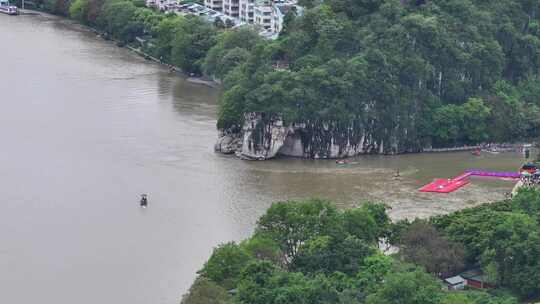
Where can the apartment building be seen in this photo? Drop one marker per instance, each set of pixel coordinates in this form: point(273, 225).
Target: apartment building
point(231, 8)
point(163, 5)
point(262, 14)
point(246, 11)
point(279, 10)
point(216, 5)
point(268, 15)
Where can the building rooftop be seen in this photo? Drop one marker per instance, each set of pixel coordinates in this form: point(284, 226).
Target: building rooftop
point(455, 280)
point(474, 274)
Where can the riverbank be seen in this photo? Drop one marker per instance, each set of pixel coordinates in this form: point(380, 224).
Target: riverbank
point(452, 149)
point(488, 147)
point(138, 50)
point(516, 188)
point(202, 81)
point(28, 12)
point(189, 78)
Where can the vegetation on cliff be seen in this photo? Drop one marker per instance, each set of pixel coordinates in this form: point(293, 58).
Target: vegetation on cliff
point(415, 73)
point(437, 72)
point(311, 252)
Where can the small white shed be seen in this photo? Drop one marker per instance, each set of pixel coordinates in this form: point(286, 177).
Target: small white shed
point(455, 283)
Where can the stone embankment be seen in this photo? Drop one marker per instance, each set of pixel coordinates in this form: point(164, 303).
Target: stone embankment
point(452, 149)
point(28, 12)
point(199, 80)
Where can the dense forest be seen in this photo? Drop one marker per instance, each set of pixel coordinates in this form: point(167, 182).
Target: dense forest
point(311, 252)
point(421, 73)
point(434, 72)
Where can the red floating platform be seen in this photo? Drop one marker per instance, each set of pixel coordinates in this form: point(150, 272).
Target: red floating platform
point(451, 185)
point(445, 185)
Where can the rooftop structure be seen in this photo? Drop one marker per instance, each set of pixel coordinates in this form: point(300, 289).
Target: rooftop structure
point(476, 278)
point(455, 283)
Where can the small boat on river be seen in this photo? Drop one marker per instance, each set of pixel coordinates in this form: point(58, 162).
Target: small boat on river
point(144, 200)
point(8, 9)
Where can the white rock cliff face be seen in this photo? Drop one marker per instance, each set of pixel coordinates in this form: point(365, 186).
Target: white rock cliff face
point(263, 137)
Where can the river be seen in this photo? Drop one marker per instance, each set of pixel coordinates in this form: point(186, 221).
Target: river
point(86, 127)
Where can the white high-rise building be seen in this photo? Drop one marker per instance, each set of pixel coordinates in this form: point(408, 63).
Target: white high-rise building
point(231, 8)
point(216, 5)
point(246, 10)
point(262, 14)
point(279, 10)
point(163, 5)
point(267, 15)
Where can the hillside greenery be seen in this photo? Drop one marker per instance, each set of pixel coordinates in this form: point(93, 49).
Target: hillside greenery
point(310, 252)
point(449, 72)
point(430, 73)
point(503, 239)
point(188, 42)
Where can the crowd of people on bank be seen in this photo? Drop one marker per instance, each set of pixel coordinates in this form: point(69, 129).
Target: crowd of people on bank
point(530, 175)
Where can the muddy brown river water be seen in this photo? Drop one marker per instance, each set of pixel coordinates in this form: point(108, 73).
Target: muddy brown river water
point(86, 127)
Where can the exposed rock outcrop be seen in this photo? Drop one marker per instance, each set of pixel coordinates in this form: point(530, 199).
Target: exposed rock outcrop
point(228, 143)
point(265, 136)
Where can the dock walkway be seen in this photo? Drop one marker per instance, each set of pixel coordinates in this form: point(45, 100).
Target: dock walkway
point(451, 185)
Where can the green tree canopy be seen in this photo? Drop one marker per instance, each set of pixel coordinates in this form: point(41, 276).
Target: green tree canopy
point(193, 38)
point(226, 264)
point(423, 245)
point(414, 287)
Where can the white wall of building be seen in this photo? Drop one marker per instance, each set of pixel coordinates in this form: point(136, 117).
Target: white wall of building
point(231, 8)
point(216, 5)
point(262, 14)
point(246, 11)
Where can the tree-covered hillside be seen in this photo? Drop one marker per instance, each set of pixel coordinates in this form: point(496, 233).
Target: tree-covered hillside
point(434, 72)
point(502, 238)
point(411, 73)
point(310, 252)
